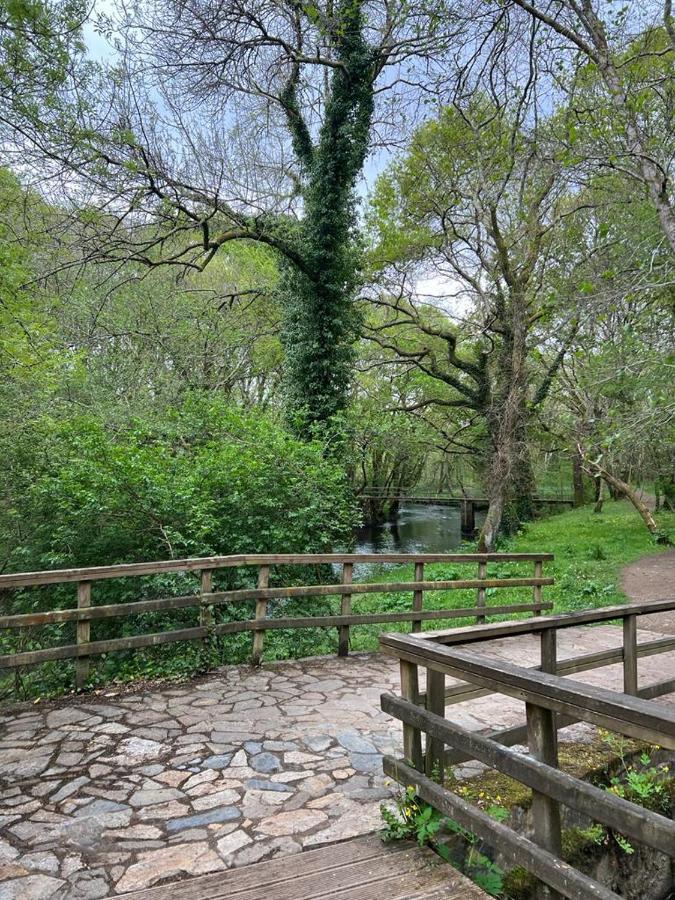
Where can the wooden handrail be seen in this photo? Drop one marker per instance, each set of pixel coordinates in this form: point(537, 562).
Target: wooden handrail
point(551, 702)
point(198, 564)
point(207, 600)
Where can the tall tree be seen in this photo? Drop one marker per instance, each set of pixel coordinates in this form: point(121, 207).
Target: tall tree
point(631, 48)
point(480, 200)
point(249, 121)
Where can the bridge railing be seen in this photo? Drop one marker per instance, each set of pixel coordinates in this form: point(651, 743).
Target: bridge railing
point(208, 601)
point(551, 702)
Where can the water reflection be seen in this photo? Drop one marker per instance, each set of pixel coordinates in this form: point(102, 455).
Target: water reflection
point(417, 529)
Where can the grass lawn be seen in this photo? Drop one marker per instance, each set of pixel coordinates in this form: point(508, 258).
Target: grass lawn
point(590, 552)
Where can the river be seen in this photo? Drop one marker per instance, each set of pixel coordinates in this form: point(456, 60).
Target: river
point(418, 528)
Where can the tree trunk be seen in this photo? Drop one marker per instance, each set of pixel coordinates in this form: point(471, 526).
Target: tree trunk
point(599, 498)
point(493, 520)
point(510, 481)
point(625, 490)
point(577, 479)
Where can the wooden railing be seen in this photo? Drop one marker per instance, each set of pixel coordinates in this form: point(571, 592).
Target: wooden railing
point(551, 702)
point(208, 600)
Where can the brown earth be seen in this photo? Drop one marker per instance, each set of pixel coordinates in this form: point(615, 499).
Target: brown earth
point(652, 578)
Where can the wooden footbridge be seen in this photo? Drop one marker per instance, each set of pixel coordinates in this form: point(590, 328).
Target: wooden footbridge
point(468, 505)
point(210, 790)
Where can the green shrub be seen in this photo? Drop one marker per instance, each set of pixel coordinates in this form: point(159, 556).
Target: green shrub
point(209, 480)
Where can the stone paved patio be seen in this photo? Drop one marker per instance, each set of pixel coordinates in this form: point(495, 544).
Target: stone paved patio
point(122, 790)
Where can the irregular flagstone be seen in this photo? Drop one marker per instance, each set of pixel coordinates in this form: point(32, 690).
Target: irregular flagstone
point(219, 798)
point(265, 763)
point(231, 843)
point(153, 796)
point(292, 822)
point(221, 814)
point(352, 740)
point(32, 887)
point(191, 859)
point(153, 788)
point(135, 750)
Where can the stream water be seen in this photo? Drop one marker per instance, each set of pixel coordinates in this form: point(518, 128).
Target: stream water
point(417, 529)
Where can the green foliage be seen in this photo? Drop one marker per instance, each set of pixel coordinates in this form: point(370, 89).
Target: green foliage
point(411, 819)
point(320, 322)
point(209, 480)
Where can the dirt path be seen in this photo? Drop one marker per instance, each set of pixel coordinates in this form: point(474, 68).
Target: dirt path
point(652, 578)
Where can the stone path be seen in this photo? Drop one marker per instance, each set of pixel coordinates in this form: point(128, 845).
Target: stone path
point(120, 791)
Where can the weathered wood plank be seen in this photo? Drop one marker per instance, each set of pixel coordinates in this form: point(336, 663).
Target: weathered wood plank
point(125, 570)
point(549, 868)
point(83, 634)
point(345, 610)
point(460, 693)
point(434, 762)
point(412, 737)
point(634, 821)
point(517, 734)
point(474, 633)
point(418, 596)
point(360, 869)
point(608, 709)
point(260, 614)
point(57, 616)
point(68, 651)
point(630, 656)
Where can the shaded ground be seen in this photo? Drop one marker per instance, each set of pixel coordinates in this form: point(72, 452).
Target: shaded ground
point(652, 578)
point(120, 791)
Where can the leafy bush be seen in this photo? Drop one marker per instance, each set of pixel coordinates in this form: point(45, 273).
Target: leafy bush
point(209, 480)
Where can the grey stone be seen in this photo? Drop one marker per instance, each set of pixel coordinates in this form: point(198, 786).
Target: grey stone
point(219, 761)
point(259, 784)
point(252, 747)
point(70, 788)
point(367, 762)
point(266, 763)
point(318, 742)
point(353, 741)
point(151, 796)
point(33, 887)
point(223, 814)
point(280, 745)
point(99, 808)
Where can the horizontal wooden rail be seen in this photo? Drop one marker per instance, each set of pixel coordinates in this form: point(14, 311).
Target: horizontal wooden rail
point(547, 866)
point(23, 620)
point(207, 600)
point(631, 716)
point(533, 626)
point(551, 702)
point(460, 693)
point(127, 570)
point(517, 734)
point(96, 648)
point(634, 821)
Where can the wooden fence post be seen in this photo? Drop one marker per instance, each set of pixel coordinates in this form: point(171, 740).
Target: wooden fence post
point(536, 590)
point(418, 597)
point(435, 749)
point(630, 660)
point(480, 601)
point(83, 634)
point(260, 613)
point(205, 614)
point(345, 610)
point(412, 737)
point(542, 735)
point(542, 739)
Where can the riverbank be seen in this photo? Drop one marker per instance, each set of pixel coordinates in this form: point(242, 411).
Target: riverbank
point(591, 551)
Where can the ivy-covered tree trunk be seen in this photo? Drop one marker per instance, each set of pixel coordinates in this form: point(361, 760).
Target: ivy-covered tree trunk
point(320, 320)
